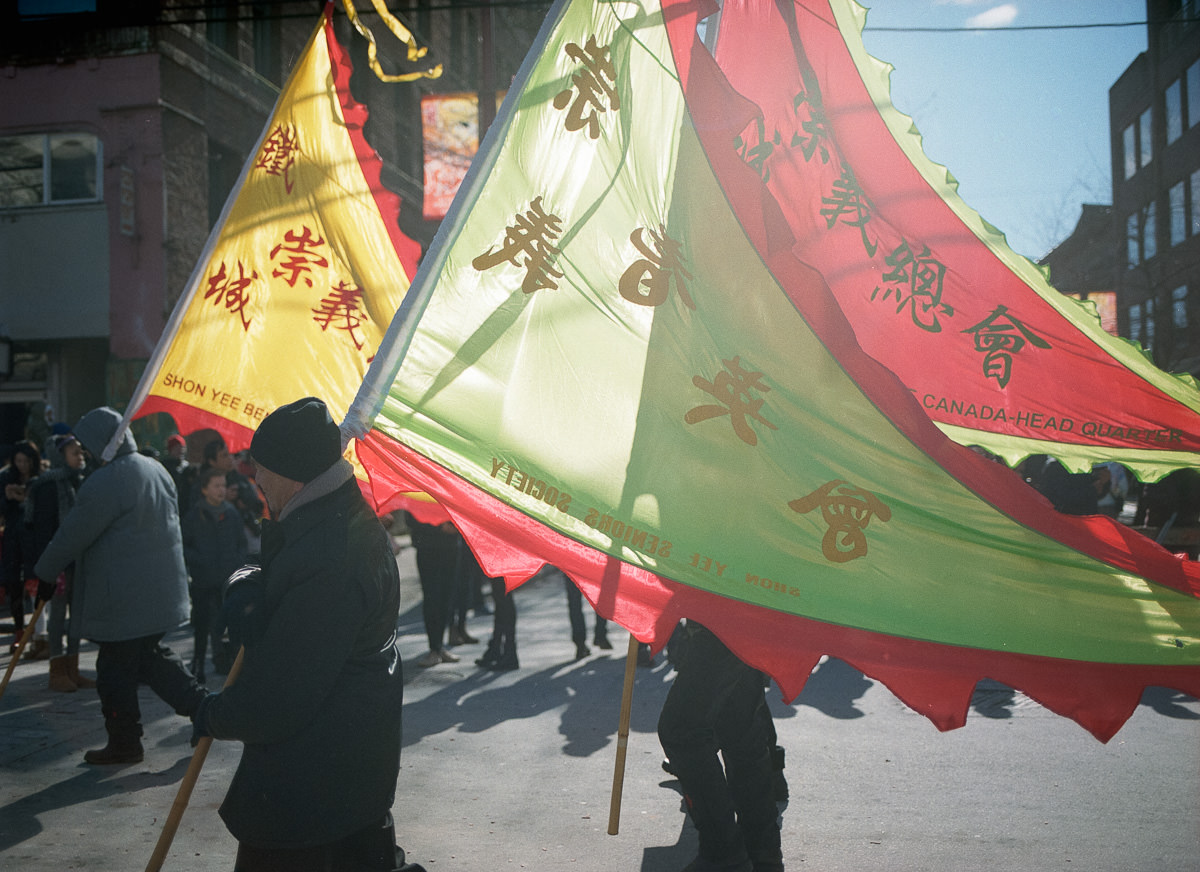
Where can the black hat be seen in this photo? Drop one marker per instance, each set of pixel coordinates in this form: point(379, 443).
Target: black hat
point(298, 441)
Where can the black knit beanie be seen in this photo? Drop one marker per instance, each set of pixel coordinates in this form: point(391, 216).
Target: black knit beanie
point(298, 441)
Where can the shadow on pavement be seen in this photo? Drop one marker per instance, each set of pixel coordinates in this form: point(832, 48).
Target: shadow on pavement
point(1170, 702)
point(588, 691)
point(833, 689)
point(20, 818)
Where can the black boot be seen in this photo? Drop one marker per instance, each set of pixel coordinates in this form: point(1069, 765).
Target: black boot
point(491, 656)
point(507, 660)
point(124, 745)
point(581, 650)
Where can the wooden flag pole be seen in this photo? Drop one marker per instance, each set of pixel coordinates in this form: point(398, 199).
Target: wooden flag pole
point(25, 637)
point(184, 794)
point(614, 808)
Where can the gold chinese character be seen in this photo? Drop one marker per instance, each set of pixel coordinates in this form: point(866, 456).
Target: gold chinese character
point(732, 389)
point(529, 235)
point(847, 510)
point(647, 281)
point(595, 83)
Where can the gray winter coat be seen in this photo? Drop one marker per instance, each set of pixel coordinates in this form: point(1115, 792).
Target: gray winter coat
point(123, 536)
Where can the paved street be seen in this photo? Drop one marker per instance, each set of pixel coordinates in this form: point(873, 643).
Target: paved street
point(514, 770)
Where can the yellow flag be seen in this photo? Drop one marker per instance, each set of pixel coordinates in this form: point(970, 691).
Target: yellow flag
point(300, 277)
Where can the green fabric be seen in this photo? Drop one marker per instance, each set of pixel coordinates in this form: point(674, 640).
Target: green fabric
point(576, 405)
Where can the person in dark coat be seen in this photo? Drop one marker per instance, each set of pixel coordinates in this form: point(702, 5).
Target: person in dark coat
point(713, 715)
point(15, 478)
point(316, 704)
point(214, 545)
point(130, 584)
point(51, 498)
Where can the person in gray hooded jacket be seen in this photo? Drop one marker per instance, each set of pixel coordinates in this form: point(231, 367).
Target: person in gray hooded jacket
point(130, 583)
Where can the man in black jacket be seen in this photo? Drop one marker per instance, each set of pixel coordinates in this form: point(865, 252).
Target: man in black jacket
point(317, 702)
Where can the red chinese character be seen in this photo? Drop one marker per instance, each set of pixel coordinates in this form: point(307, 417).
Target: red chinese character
point(278, 154)
point(303, 259)
point(224, 289)
point(341, 305)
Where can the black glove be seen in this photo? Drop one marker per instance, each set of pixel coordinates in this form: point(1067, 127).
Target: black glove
point(46, 589)
point(200, 728)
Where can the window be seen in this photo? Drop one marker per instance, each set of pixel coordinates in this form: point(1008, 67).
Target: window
point(1135, 322)
point(221, 25)
point(1132, 249)
point(40, 169)
point(1174, 105)
point(1149, 234)
point(1193, 94)
point(1179, 308)
point(1129, 141)
point(1148, 323)
point(1178, 216)
point(46, 8)
point(1145, 149)
point(1195, 198)
point(265, 36)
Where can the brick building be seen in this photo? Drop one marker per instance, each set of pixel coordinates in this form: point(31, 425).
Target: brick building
point(1154, 122)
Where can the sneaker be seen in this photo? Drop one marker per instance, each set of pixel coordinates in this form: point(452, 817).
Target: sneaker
point(432, 658)
point(447, 657)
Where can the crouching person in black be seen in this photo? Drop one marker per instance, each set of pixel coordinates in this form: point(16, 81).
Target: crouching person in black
point(317, 702)
point(716, 705)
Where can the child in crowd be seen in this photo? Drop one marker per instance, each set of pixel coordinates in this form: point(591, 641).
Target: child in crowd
point(214, 545)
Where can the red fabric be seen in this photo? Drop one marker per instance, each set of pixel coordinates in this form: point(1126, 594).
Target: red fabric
point(934, 680)
point(720, 113)
point(189, 419)
point(1042, 399)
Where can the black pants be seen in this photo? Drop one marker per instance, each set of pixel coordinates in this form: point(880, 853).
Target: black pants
point(14, 579)
point(575, 609)
point(207, 623)
point(713, 707)
point(504, 620)
point(437, 566)
point(121, 666)
point(371, 849)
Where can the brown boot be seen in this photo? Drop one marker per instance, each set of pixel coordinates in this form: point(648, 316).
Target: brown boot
point(73, 673)
point(38, 649)
point(60, 676)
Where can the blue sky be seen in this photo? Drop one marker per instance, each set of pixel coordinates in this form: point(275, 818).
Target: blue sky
point(1019, 117)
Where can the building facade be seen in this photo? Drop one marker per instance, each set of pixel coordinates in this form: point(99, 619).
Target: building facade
point(1154, 122)
point(124, 125)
